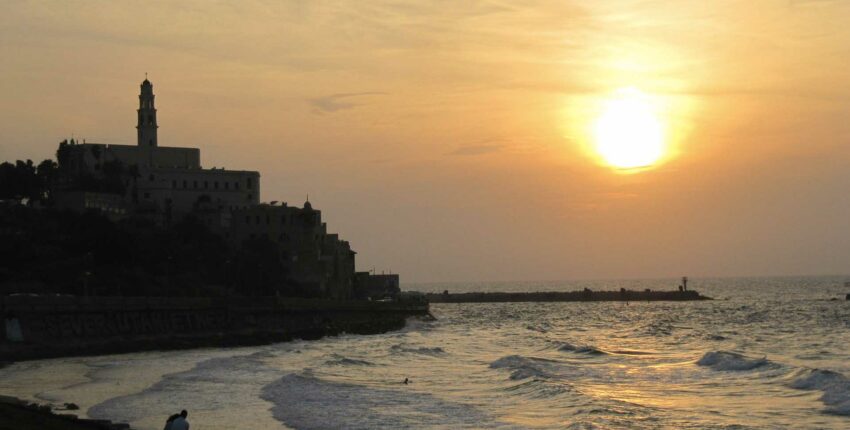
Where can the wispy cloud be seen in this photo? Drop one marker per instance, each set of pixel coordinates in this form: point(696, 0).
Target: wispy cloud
point(340, 101)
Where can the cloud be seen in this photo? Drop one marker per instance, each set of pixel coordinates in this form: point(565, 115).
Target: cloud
point(476, 150)
point(338, 102)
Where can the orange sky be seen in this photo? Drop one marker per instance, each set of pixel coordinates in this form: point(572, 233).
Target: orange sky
point(448, 140)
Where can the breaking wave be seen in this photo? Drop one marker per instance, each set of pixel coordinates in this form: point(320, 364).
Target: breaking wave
point(835, 387)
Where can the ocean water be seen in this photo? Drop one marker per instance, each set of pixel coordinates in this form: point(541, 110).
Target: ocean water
point(768, 353)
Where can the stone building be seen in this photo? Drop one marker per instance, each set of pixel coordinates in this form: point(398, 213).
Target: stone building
point(168, 181)
point(310, 256)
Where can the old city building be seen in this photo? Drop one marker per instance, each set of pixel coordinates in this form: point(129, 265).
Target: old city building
point(168, 183)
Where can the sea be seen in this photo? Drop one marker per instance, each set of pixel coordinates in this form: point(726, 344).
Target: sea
point(767, 353)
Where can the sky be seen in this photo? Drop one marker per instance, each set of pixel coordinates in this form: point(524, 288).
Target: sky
point(451, 141)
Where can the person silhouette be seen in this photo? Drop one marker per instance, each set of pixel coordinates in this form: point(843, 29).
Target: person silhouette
point(180, 423)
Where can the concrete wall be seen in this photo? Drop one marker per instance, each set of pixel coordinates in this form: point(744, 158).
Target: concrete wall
point(40, 326)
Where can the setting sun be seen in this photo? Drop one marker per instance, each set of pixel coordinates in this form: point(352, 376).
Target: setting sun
point(627, 133)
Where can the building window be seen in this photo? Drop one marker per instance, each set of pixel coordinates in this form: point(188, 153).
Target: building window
point(150, 177)
point(215, 184)
point(206, 184)
point(184, 183)
point(227, 185)
point(195, 184)
point(147, 195)
point(257, 219)
point(250, 183)
point(247, 219)
point(267, 219)
point(236, 185)
point(283, 219)
point(250, 197)
point(174, 184)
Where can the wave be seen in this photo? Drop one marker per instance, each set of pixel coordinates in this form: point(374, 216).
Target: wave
point(339, 360)
point(422, 350)
point(630, 352)
point(215, 383)
point(524, 367)
point(590, 350)
point(731, 361)
point(538, 389)
point(540, 328)
point(835, 387)
point(306, 402)
point(419, 323)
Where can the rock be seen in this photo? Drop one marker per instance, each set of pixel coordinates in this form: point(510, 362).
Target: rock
point(71, 406)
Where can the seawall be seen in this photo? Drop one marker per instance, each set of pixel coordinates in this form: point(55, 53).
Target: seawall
point(47, 326)
point(566, 296)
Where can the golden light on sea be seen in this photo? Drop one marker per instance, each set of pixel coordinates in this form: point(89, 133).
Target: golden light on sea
point(628, 133)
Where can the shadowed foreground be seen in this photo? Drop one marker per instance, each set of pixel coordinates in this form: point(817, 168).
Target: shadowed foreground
point(16, 414)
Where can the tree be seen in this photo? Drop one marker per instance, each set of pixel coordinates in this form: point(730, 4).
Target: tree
point(46, 172)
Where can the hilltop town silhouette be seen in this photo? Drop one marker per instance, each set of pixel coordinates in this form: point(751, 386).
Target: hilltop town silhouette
point(149, 220)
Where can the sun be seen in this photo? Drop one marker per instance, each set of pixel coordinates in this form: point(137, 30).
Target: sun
point(627, 133)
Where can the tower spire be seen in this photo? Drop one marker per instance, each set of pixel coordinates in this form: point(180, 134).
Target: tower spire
point(147, 116)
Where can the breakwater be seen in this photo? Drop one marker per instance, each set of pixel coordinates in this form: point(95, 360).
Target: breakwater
point(49, 326)
point(566, 296)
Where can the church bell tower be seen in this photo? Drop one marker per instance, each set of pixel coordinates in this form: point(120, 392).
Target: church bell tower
point(147, 116)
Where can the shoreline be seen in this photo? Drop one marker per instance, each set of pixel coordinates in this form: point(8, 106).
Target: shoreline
point(18, 414)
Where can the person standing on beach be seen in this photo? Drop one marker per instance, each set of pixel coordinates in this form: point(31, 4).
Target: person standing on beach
point(169, 421)
point(180, 423)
